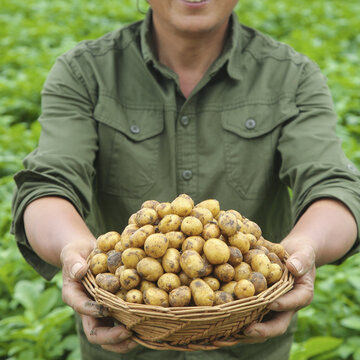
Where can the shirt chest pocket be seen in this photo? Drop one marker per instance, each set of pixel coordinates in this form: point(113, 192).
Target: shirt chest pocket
point(129, 144)
point(250, 139)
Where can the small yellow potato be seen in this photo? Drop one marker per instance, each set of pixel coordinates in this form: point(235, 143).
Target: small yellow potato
point(119, 247)
point(237, 214)
point(146, 216)
point(243, 226)
point(262, 248)
point(219, 214)
point(203, 214)
point(184, 279)
point(149, 269)
point(235, 256)
point(212, 204)
point(114, 261)
point(243, 289)
point(261, 263)
point(228, 223)
point(180, 296)
point(259, 282)
point(95, 251)
point(119, 270)
point(211, 230)
point(163, 209)
point(216, 251)
point(129, 279)
point(274, 259)
point(121, 294)
point(213, 282)
point(131, 257)
point(208, 267)
point(125, 235)
point(171, 261)
point(192, 264)
point(222, 297)
point(151, 204)
point(201, 292)
point(108, 241)
point(168, 282)
point(229, 287)
point(108, 282)
point(171, 222)
point(279, 250)
point(187, 197)
point(134, 296)
point(252, 240)
point(242, 271)
point(181, 206)
point(193, 243)
point(266, 243)
point(274, 274)
point(254, 229)
point(247, 257)
point(156, 245)
point(144, 285)
point(132, 219)
point(240, 241)
point(191, 226)
point(176, 238)
point(98, 264)
point(138, 238)
point(156, 296)
point(224, 272)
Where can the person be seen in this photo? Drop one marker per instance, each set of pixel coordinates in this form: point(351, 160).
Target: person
point(186, 101)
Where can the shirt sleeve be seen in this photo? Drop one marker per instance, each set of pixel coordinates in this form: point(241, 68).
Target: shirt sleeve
point(313, 163)
point(63, 163)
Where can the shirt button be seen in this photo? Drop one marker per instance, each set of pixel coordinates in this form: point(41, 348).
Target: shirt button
point(185, 120)
point(134, 129)
point(250, 124)
point(187, 174)
point(352, 167)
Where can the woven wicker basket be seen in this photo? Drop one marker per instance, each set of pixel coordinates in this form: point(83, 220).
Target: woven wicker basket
point(189, 328)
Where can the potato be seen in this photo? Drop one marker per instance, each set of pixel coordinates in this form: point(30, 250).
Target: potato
point(134, 296)
point(211, 230)
point(193, 243)
point(107, 241)
point(144, 284)
point(108, 282)
point(228, 223)
point(208, 267)
point(262, 248)
point(114, 261)
point(279, 250)
point(132, 219)
point(240, 241)
point(163, 209)
point(129, 279)
point(274, 259)
point(229, 287)
point(119, 270)
point(176, 238)
point(237, 214)
point(254, 229)
point(184, 279)
point(95, 251)
point(171, 261)
point(261, 263)
point(274, 274)
point(156, 245)
point(266, 243)
point(219, 214)
point(187, 197)
point(98, 264)
point(222, 297)
point(121, 294)
point(138, 238)
point(180, 296)
point(151, 204)
point(171, 222)
point(203, 214)
point(252, 239)
point(258, 281)
point(243, 226)
point(125, 235)
point(250, 254)
point(192, 264)
point(191, 226)
point(243, 289)
point(146, 216)
point(216, 251)
point(224, 272)
point(242, 271)
point(211, 204)
point(156, 296)
point(235, 256)
point(213, 282)
point(181, 206)
point(149, 269)
point(119, 247)
point(201, 292)
point(168, 282)
point(131, 257)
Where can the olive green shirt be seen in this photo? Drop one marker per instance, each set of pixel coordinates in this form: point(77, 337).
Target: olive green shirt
point(116, 131)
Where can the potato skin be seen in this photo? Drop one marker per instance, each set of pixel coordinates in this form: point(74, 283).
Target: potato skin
point(222, 297)
point(224, 272)
point(192, 264)
point(170, 222)
point(114, 261)
point(240, 241)
point(202, 293)
point(229, 287)
point(203, 214)
point(137, 239)
point(129, 279)
point(211, 230)
point(134, 296)
point(108, 282)
point(156, 296)
point(106, 242)
point(151, 204)
point(216, 251)
point(156, 245)
point(211, 204)
point(146, 216)
point(213, 282)
point(274, 274)
point(180, 296)
point(261, 263)
point(171, 261)
point(193, 243)
point(149, 269)
point(176, 239)
point(259, 282)
point(242, 271)
point(131, 256)
point(228, 223)
point(191, 226)
point(181, 206)
point(168, 282)
point(244, 288)
point(236, 256)
point(98, 264)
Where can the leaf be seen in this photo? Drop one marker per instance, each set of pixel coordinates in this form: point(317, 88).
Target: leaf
point(351, 322)
point(47, 301)
point(27, 292)
point(320, 344)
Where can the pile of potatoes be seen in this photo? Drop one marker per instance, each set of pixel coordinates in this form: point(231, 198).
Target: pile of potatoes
point(179, 254)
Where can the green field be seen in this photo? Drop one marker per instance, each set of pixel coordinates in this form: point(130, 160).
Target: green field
point(34, 323)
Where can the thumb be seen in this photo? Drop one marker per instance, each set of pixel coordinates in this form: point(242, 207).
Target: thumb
point(301, 261)
point(73, 264)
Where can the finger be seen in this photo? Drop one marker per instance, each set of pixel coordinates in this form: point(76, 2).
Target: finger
point(301, 260)
point(268, 329)
point(99, 332)
point(123, 348)
point(73, 263)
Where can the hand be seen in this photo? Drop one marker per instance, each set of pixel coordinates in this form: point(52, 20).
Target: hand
point(301, 264)
point(98, 329)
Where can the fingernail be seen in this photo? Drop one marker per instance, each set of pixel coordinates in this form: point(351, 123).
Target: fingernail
point(297, 265)
point(252, 333)
point(74, 270)
point(274, 306)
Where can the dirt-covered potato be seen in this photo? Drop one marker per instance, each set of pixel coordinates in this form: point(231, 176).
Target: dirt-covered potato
point(129, 279)
point(119, 247)
point(121, 294)
point(240, 241)
point(106, 242)
point(176, 238)
point(222, 297)
point(114, 261)
point(171, 261)
point(192, 264)
point(108, 282)
point(156, 245)
point(131, 257)
point(119, 270)
point(163, 209)
point(252, 239)
point(235, 256)
point(168, 282)
point(146, 216)
point(181, 206)
point(274, 259)
point(258, 281)
point(193, 243)
point(208, 266)
point(180, 296)
point(203, 214)
point(134, 296)
point(224, 272)
point(261, 263)
point(216, 251)
point(187, 197)
point(229, 287)
point(243, 289)
point(170, 222)
point(191, 226)
point(151, 204)
point(98, 263)
point(211, 204)
point(262, 248)
point(184, 278)
point(254, 229)
point(248, 256)
point(211, 230)
point(242, 271)
point(137, 239)
point(125, 235)
point(228, 223)
point(156, 296)
point(274, 274)
point(202, 293)
point(237, 214)
point(279, 251)
point(132, 219)
point(213, 282)
point(149, 269)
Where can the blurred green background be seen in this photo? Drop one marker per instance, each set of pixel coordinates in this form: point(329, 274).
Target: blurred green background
point(34, 323)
